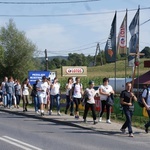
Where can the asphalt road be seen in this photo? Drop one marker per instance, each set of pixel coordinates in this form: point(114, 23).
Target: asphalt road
point(19, 132)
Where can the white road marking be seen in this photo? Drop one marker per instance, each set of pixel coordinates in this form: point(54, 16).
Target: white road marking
point(18, 143)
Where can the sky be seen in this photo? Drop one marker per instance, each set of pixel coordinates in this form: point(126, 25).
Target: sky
point(61, 28)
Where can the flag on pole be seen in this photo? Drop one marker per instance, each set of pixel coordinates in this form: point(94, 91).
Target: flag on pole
point(122, 37)
point(134, 41)
point(110, 48)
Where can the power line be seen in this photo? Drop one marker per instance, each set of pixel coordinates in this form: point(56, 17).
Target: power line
point(51, 3)
point(67, 15)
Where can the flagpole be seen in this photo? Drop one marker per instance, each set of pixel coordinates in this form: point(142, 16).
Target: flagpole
point(136, 55)
point(116, 52)
point(126, 49)
point(138, 51)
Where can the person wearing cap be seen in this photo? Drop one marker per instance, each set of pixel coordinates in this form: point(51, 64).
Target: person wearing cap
point(42, 88)
point(89, 101)
point(105, 90)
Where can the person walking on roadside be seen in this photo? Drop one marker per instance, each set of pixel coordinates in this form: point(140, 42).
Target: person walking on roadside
point(10, 91)
point(88, 97)
point(55, 95)
point(69, 101)
point(126, 100)
point(105, 90)
point(48, 94)
point(18, 92)
point(146, 102)
point(77, 95)
point(35, 97)
point(25, 93)
point(4, 95)
point(42, 88)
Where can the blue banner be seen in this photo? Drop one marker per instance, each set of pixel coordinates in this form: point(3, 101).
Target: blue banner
point(37, 75)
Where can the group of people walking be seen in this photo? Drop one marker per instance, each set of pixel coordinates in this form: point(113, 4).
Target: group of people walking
point(46, 92)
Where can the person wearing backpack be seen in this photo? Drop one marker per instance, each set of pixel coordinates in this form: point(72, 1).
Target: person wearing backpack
point(146, 102)
point(77, 95)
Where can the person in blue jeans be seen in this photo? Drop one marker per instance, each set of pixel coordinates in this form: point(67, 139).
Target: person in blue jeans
point(4, 95)
point(146, 102)
point(55, 95)
point(10, 91)
point(34, 94)
point(126, 100)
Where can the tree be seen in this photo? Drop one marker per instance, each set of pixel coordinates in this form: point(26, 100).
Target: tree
point(17, 52)
point(146, 51)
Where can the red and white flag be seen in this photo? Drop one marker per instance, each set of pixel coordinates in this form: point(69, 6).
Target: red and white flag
point(122, 37)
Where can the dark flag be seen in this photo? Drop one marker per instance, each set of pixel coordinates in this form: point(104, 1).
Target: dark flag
point(122, 37)
point(110, 48)
point(134, 41)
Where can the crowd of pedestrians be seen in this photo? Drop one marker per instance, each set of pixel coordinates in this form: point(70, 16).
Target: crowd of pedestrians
point(46, 93)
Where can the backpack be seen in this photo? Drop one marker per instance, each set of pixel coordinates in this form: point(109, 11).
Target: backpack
point(140, 102)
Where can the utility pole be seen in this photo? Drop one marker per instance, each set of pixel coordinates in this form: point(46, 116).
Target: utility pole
point(46, 59)
point(97, 49)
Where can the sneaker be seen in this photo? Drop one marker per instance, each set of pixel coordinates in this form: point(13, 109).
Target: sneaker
point(94, 122)
point(71, 114)
point(123, 131)
point(108, 121)
point(37, 112)
point(50, 112)
point(58, 113)
point(100, 119)
point(42, 113)
point(131, 135)
point(146, 130)
point(66, 112)
point(77, 117)
point(85, 121)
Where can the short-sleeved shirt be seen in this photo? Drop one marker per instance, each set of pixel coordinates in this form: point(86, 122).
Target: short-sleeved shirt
point(68, 89)
point(77, 90)
point(90, 93)
point(56, 89)
point(106, 89)
point(25, 90)
point(126, 96)
point(144, 95)
point(42, 86)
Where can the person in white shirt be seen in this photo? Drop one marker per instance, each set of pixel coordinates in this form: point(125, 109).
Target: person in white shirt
point(42, 88)
point(147, 105)
point(77, 95)
point(105, 90)
point(25, 93)
point(89, 101)
point(55, 94)
point(69, 101)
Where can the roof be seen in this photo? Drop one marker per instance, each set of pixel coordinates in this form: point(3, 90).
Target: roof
point(143, 79)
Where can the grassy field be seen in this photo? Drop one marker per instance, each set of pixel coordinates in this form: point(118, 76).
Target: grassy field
point(97, 73)
point(108, 70)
